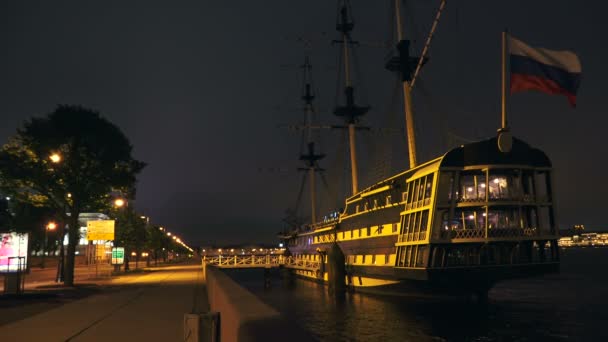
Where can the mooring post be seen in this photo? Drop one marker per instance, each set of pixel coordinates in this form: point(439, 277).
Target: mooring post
point(336, 269)
point(267, 277)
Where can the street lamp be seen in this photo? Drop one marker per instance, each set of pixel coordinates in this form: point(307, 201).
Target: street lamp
point(55, 158)
point(50, 226)
point(119, 202)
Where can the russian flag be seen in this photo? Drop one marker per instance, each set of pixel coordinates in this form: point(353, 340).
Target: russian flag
point(549, 71)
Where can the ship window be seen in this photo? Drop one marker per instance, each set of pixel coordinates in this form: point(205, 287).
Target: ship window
point(375, 203)
point(357, 208)
point(374, 259)
point(530, 219)
point(503, 218)
point(411, 225)
point(365, 206)
point(504, 184)
point(469, 219)
point(527, 185)
point(545, 219)
point(446, 187)
point(411, 191)
point(395, 227)
point(421, 256)
point(387, 258)
point(473, 186)
point(424, 220)
point(443, 217)
point(369, 229)
point(388, 200)
point(429, 187)
point(421, 190)
point(540, 180)
point(408, 255)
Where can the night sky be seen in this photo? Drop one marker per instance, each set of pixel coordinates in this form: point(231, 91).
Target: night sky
point(201, 88)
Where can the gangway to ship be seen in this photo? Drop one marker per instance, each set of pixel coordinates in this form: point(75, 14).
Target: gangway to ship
point(261, 261)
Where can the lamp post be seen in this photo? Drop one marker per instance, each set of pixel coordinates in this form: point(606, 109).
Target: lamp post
point(49, 226)
point(119, 203)
point(56, 159)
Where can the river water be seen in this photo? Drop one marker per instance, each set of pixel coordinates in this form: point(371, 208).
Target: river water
point(570, 306)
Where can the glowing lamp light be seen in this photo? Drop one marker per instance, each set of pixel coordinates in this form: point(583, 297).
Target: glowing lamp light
point(55, 158)
point(483, 185)
point(471, 217)
point(469, 189)
point(51, 226)
point(496, 181)
point(119, 202)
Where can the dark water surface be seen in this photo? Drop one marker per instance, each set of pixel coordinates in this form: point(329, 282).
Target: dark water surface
point(570, 306)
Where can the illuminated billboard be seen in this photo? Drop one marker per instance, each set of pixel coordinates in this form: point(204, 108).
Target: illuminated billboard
point(100, 230)
point(13, 252)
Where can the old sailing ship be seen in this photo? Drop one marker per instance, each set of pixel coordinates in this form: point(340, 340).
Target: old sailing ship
point(481, 213)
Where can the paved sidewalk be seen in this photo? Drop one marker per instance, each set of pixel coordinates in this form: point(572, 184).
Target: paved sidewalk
point(146, 307)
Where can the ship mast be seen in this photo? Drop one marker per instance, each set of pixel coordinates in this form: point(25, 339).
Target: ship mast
point(406, 64)
point(408, 67)
point(350, 111)
point(310, 158)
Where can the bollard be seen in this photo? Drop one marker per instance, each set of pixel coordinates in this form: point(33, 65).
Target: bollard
point(267, 280)
point(203, 327)
point(13, 283)
point(336, 269)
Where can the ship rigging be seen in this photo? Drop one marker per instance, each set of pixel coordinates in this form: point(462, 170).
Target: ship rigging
point(480, 213)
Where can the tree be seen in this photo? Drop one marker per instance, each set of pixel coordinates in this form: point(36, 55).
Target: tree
point(130, 232)
point(92, 158)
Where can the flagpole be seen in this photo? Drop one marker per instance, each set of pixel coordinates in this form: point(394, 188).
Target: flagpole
point(504, 80)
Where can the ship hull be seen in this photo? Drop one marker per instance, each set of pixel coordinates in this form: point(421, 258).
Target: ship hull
point(432, 282)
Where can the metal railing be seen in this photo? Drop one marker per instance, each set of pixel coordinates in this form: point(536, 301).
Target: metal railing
point(261, 261)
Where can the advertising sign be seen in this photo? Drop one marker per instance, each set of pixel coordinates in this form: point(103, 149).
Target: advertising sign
point(118, 255)
point(100, 230)
point(13, 252)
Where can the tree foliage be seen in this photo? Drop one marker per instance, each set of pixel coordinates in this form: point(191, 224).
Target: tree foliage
point(95, 161)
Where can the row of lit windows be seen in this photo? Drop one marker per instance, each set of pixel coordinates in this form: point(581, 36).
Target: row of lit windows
point(361, 259)
point(412, 256)
point(375, 203)
point(385, 229)
point(497, 218)
point(419, 191)
point(479, 185)
point(371, 259)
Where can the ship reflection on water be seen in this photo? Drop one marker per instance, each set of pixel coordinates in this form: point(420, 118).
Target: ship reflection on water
point(572, 305)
